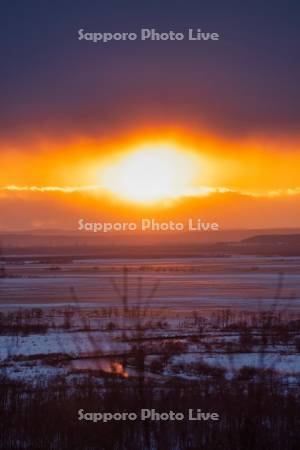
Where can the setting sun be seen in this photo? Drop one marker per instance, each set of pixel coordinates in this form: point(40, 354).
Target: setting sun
point(152, 173)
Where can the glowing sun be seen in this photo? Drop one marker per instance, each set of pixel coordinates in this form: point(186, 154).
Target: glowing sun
point(151, 173)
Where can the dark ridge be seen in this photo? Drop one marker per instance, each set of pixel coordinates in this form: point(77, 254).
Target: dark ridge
point(274, 239)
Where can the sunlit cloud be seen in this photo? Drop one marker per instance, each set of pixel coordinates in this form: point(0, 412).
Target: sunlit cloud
point(201, 191)
point(50, 188)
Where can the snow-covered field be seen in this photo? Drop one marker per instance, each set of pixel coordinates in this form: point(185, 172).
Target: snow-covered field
point(183, 284)
point(185, 316)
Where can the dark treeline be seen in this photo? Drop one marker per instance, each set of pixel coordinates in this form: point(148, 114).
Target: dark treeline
point(258, 413)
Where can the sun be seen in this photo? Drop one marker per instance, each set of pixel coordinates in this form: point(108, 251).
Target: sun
point(151, 173)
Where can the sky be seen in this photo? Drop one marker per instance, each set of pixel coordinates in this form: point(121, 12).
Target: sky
point(69, 108)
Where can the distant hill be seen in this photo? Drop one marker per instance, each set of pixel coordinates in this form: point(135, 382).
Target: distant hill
point(222, 244)
point(273, 239)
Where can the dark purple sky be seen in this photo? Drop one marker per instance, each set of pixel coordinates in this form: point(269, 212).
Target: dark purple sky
point(53, 84)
